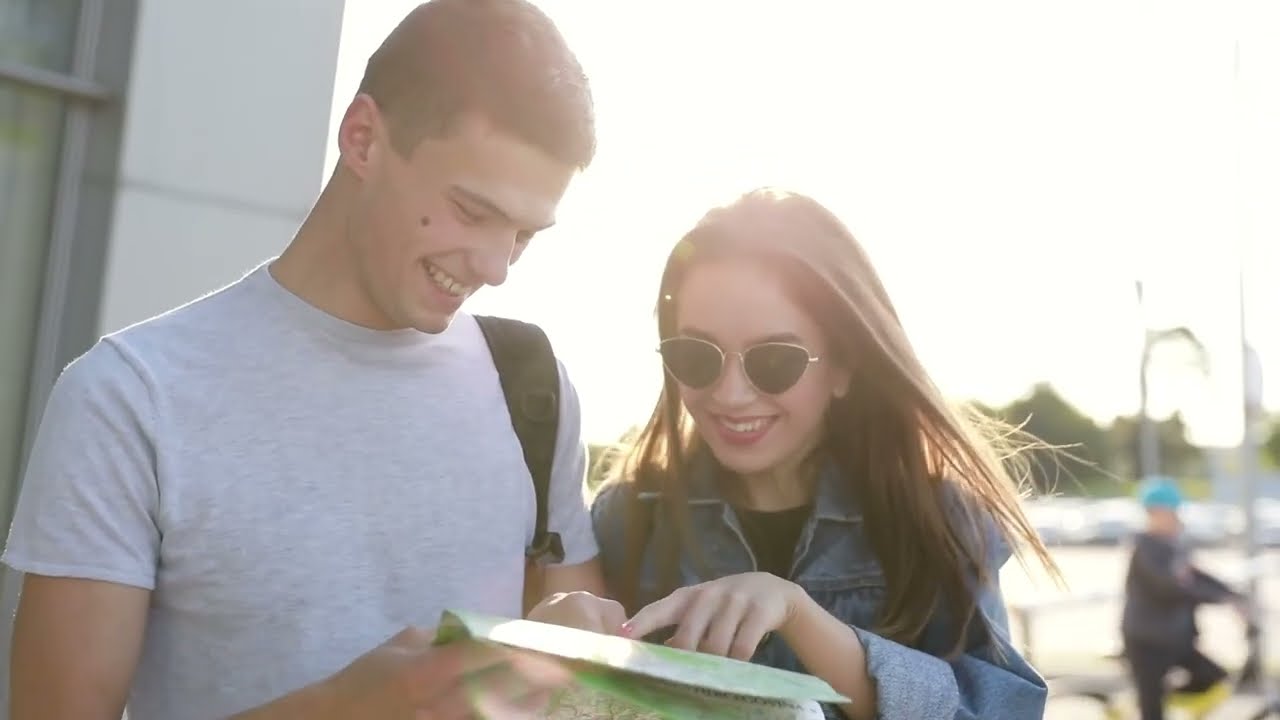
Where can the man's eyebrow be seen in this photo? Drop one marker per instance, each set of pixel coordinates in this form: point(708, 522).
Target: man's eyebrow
point(492, 208)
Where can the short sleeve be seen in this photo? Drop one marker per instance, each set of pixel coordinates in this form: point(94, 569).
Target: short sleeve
point(567, 512)
point(88, 503)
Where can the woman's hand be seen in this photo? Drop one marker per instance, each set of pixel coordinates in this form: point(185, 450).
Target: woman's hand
point(727, 617)
point(730, 616)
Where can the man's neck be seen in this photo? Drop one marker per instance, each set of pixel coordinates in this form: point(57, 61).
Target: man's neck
point(317, 265)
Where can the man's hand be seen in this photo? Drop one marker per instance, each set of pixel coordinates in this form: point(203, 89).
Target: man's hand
point(408, 678)
point(581, 610)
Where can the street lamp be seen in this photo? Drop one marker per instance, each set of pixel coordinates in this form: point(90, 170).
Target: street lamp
point(1148, 433)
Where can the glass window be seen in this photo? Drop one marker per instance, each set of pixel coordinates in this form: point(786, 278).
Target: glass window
point(30, 141)
point(39, 32)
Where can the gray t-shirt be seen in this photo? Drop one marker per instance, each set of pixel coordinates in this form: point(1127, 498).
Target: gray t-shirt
point(294, 490)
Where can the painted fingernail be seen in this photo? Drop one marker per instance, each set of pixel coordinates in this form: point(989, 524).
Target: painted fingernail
point(625, 630)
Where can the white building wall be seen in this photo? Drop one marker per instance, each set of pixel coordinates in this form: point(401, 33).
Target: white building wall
point(227, 117)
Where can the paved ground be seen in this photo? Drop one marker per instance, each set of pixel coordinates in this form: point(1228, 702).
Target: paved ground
point(1237, 709)
point(1078, 639)
point(1084, 634)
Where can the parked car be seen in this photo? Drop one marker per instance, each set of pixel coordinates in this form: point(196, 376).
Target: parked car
point(1211, 524)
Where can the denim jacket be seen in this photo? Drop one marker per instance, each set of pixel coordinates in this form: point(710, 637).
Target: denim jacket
point(835, 565)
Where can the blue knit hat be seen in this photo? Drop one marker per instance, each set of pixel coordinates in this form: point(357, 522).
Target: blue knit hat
point(1160, 492)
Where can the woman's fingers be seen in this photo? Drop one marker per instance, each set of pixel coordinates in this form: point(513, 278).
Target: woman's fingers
point(696, 619)
point(731, 610)
point(751, 631)
point(728, 617)
point(657, 615)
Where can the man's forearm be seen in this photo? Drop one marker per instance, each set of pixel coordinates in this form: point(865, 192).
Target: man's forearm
point(309, 703)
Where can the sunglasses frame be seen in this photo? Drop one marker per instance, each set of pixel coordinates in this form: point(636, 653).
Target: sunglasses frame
point(742, 361)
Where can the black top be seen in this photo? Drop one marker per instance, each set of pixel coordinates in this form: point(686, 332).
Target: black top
point(772, 536)
point(1162, 590)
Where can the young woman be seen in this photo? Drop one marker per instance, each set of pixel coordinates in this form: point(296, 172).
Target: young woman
point(803, 496)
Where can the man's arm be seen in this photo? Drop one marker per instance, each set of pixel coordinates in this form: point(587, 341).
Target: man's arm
point(410, 676)
point(567, 502)
point(75, 648)
point(577, 598)
point(85, 537)
point(541, 582)
point(585, 577)
point(570, 593)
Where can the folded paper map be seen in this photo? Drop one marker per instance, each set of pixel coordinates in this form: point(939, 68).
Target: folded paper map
point(621, 679)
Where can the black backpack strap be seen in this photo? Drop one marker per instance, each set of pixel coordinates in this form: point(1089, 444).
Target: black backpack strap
point(530, 380)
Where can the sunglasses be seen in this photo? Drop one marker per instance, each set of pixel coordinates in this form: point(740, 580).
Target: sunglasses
point(772, 368)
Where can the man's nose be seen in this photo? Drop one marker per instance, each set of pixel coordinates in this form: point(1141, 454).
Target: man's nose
point(492, 260)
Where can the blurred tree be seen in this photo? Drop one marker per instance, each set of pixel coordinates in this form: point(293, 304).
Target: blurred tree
point(1177, 457)
point(985, 409)
point(602, 456)
point(596, 463)
point(1082, 448)
point(1271, 444)
point(1150, 439)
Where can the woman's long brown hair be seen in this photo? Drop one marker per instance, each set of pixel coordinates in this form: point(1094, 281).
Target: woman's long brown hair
point(893, 434)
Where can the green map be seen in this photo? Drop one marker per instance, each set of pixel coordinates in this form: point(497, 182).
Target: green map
point(627, 679)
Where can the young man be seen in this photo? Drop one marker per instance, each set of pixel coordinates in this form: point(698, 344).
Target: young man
point(231, 507)
point(1162, 591)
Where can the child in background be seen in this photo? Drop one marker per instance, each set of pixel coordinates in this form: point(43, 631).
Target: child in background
point(1162, 591)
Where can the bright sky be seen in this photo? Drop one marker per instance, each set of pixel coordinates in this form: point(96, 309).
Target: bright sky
point(1011, 167)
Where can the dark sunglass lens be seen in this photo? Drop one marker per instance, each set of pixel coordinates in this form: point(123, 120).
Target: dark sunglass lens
point(774, 367)
point(691, 362)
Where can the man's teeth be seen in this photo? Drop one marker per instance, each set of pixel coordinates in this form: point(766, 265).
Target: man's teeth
point(748, 426)
point(446, 283)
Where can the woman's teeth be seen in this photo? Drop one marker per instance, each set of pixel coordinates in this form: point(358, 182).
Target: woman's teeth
point(745, 426)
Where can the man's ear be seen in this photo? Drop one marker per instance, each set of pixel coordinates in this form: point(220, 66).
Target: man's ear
point(358, 133)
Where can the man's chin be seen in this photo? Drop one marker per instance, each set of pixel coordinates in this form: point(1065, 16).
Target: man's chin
point(435, 324)
point(434, 317)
